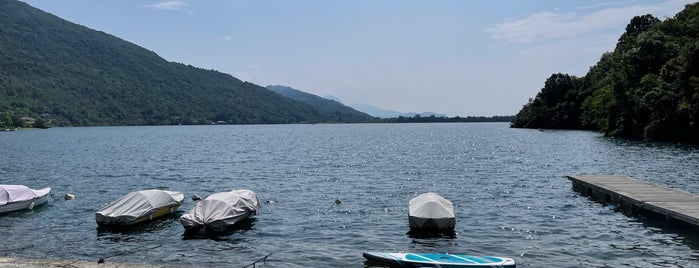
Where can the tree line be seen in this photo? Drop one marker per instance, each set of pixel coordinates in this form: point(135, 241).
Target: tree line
point(443, 119)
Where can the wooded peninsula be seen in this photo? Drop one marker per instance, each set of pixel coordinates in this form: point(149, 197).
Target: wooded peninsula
point(647, 88)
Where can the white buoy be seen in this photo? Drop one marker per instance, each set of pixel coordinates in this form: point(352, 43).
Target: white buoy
point(31, 206)
point(69, 197)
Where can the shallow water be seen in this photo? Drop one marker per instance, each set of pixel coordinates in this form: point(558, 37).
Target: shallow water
point(508, 186)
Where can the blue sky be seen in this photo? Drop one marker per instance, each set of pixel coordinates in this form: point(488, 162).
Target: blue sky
point(452, 57)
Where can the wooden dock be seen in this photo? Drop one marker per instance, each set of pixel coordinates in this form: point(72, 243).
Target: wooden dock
point(635, 196)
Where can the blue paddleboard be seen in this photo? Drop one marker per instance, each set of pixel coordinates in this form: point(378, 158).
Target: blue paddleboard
point(438, 260)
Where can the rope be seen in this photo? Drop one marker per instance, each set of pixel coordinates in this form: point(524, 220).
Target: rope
point(254, 264)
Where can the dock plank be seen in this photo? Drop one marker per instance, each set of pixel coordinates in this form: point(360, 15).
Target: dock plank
point(643, 195)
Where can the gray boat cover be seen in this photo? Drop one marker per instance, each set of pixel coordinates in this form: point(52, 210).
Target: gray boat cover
point(220, 211)
point(134, 205)
point(431, 206)
point(19, 193)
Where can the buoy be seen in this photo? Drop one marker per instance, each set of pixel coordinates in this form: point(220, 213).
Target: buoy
point(338, 201)
point(196, 198)
point(31, 205)
point(69, 197)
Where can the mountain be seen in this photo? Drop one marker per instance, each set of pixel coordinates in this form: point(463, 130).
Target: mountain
point(330, 107)
point(375, 111)
point(647, 88)
point(72, 75)
point(331, 97)
point(383, 113)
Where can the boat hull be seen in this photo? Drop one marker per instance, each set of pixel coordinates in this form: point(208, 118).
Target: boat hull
point(138, 207)
point(220, 212)
point(129, 220)
point(441, 224)
point(26, 204)
point(215, 226)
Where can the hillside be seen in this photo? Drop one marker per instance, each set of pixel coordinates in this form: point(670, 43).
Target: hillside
point(71, 75)
point(648, 87)
point(330, 107)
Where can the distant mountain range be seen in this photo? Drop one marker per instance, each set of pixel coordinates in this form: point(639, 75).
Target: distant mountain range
point(71, 75)
point(333, 104)
point(384, 113)
point(330, 107)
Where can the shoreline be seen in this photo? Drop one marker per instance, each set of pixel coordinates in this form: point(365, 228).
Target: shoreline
point(7, 262)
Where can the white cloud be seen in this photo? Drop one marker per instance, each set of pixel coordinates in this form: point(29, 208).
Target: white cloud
point(550, 25)
point(170, 6)
point(606, 4)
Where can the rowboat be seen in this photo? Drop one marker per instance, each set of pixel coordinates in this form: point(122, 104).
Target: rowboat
point(19, 197)
point(431, 213)
point(221, 211)
point(139, 206)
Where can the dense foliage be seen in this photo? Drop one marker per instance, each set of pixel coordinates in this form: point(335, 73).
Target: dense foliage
point(648, 87)
point(67, 74)
point(331, 108)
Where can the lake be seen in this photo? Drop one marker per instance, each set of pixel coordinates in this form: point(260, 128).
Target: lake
point(508, 186)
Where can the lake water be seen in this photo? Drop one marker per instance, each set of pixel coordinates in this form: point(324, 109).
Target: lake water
point(509, 189)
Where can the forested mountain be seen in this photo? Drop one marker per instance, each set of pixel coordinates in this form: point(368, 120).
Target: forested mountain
point(648, 87)
point(72, 75)
point(330, 107)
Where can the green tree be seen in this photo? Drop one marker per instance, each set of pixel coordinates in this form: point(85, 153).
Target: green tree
point(555, 106)
point(41, 123)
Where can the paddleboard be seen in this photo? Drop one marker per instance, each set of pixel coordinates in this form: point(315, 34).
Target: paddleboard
point(401, 259)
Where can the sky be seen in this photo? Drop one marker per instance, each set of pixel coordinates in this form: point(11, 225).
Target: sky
point(459, 58)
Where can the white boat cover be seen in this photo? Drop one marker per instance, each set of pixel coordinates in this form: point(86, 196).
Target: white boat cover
point(134, 205)
point(219, 211)
point(19, 193)
point(431, 206)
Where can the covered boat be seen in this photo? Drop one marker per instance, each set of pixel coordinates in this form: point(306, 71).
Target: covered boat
point(139, 206)
point(19, 197)
point(429, 212)
point(220, 211)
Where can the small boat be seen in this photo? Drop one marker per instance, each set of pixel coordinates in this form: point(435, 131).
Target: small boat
point(438, 260)
point(19, 197)
point(219, 212)
point(431, 213)
point(139, 206)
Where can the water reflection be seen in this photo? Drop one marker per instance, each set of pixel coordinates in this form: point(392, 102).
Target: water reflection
point(425, 234)
point(204, 233)
point(153, 225)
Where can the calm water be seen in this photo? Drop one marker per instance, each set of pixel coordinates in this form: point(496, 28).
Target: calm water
point(508, 185)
